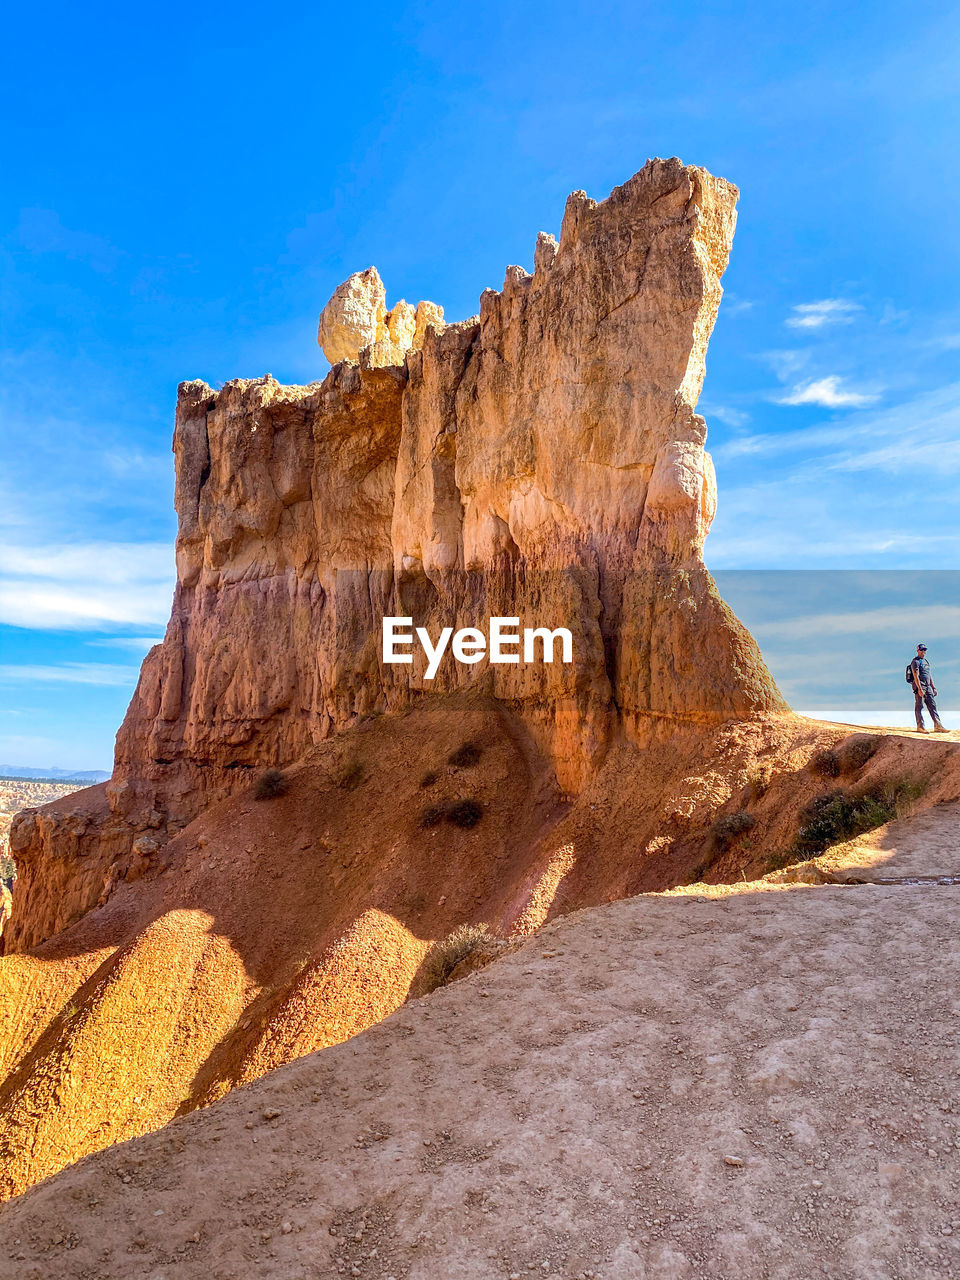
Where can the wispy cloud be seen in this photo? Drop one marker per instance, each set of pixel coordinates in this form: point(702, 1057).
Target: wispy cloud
point(736, 306)
point(99, 673)
point(828, 393)
point(724, 413)
point(787, 362)
point(86, 586)
point(139, 644)
point(815, 315)
point(936, 620)
point(866, 435)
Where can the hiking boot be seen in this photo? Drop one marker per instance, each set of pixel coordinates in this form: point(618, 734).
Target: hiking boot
point(920, 729)
point(940, 728)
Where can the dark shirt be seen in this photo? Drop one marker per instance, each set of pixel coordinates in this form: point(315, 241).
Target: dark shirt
point(922, 668)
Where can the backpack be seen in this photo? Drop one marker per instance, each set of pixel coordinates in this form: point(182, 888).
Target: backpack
point(909, 673)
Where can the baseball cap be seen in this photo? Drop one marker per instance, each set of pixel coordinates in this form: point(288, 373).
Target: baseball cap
point(921, 646)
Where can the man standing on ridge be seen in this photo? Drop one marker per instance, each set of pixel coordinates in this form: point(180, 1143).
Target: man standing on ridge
point(924, 690)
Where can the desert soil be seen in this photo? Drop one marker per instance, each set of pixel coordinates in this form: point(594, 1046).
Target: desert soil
point(721, 1082)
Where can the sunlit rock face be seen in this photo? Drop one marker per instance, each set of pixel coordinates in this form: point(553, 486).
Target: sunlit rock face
point(542, 460)
point(356, 320)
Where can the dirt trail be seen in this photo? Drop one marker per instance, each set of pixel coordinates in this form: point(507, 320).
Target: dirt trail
point(727, 1082)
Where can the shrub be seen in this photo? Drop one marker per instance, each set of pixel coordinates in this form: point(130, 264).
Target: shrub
point(464, 813)
point(838, 816)
point(445, 954)
point(433, 816)
point(351, 774)
point(855, 752)
point(759, 781)
point(429, 778)
point(270, 784)
point(825, 763)
point(464, 756)
point(727, 830)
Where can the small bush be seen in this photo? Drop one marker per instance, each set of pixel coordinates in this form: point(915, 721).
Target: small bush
point(444, 956)
point(351, 775)
point(270, 784)
point(727, 830)
point(855, 752)
point(464, 756)
point(838, 816)
point(825, 763)
point(429, 779)
point(433, 816)
point(760, 781)
point(464, 813)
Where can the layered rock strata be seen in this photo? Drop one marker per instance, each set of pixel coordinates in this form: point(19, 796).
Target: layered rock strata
point(542, 461)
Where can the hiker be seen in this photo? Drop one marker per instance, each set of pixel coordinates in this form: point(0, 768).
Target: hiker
point(924, 690)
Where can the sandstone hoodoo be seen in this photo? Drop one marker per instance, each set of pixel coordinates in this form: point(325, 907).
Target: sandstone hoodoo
point(197, 920)
point(542, 460)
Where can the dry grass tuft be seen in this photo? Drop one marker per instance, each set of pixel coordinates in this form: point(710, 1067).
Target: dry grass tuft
point(445, 954)
point(351, 775)
point(270, 784)
point(759, 781)
point(465, 756)
point(464, 813)
point(825, 763)
point(855, 752)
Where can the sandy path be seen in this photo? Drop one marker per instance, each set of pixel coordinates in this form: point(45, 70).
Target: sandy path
point(567, 1112)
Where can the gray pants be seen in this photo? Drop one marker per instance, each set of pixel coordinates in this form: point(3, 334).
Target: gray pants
point(925, 698)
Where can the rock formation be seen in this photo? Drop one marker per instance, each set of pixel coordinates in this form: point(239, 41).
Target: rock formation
point(542, 460)
point(356, 320)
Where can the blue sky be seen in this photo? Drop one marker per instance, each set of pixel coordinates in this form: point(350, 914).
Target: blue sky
point(187, 185)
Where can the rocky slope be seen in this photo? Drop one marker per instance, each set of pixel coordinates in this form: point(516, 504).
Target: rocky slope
point(268, 929)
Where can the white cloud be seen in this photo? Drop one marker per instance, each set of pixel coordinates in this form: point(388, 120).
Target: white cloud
point(937, 620)
point(85, 586)
point(736, 306)
point(100, 673)
point(787, 362)
point(828, 393)
point(724, 413)
point(860, 435)
point(814, 315)
point(913, 456)
point(139, 644)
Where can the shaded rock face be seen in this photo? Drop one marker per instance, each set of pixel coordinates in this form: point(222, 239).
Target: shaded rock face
point(541, 461)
